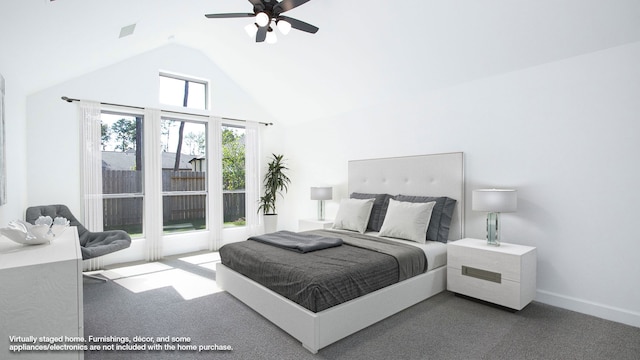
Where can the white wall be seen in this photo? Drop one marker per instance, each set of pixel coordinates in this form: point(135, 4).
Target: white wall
point(565, 134)
point(15, 130)
point(53, 130)
point(53, 127)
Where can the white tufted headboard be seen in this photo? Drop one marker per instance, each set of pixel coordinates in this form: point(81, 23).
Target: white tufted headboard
point(426, 175)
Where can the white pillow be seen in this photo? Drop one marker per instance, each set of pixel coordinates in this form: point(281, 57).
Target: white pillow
point(353, 214)
point(407, 220)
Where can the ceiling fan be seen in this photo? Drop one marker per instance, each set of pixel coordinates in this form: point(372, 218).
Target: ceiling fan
point(268, 14)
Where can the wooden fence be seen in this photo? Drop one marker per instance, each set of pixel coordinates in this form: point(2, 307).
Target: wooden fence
point(177, 209)
point(233, 205)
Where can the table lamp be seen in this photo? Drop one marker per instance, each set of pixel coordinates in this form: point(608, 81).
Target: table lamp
point(494, 201)
point(321, 194)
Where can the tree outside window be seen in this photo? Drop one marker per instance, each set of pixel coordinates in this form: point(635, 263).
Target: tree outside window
point(233, 176)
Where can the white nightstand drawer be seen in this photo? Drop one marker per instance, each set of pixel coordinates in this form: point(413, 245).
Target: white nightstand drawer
point(507, 259)
point(507, 265)
point(505, 293)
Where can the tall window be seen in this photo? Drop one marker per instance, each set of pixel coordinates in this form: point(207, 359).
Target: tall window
point(182, 91)
point(184, 175)
point(233, 176)
point(122, 172)
point(147, 172)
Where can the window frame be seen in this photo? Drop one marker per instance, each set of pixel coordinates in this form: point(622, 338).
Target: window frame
point(232, 125)
point(133, 195)
point(206, 190)
point(189, 79)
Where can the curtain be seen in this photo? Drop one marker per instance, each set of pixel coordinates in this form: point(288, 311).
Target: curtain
point(91, 162)
point(252, 176)
point(215, 182)
point(152, 184)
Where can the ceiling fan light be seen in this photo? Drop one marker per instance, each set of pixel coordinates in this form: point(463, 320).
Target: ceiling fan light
point(284, 26)
point(251, 30)
point(262, 19)
point(271, 37)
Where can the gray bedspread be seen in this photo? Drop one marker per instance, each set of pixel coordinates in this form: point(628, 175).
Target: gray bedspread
point(321, 279)
point(300, 242)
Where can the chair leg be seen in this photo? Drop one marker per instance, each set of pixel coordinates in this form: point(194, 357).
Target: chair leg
point(95, 277)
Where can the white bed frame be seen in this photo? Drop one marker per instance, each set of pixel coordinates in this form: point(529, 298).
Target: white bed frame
point(428, 175)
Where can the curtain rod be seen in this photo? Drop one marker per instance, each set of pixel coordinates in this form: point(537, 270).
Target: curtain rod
point(68, 99)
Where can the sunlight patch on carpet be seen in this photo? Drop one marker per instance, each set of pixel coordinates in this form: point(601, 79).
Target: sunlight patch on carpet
point(155, 275)
point(134, 270)
point(211, 266)
point(202, 258)
point(207, 261)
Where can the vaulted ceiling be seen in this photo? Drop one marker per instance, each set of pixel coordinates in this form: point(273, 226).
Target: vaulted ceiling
point(364, 52)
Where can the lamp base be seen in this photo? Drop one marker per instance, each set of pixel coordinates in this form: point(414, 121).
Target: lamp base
point(493, 237)
point(321, 210)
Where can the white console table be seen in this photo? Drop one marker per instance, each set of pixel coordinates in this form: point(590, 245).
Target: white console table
point(41, 293)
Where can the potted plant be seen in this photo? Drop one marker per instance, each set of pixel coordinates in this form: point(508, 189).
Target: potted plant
point(275, 182)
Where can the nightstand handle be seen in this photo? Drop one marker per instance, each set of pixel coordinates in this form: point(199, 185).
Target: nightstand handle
point(482, 274)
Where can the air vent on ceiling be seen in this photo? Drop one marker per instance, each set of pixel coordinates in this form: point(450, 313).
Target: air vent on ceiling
point(127, 30)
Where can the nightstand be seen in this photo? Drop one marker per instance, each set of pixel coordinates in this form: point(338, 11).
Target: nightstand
point(314, 224)
point(504, 275)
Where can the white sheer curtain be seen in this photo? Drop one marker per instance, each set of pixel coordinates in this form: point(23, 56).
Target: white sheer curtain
point(252, 176)
point(91, 160)
point(214, 173)
point(152, 184)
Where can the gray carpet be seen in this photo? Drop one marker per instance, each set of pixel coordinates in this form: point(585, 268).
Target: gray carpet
point(443, 327)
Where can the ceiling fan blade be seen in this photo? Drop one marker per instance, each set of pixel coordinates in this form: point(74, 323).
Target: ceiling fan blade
point(300, 25)
point(257, 5)
point(230, 15)
point(286, 5)
point(262, 33)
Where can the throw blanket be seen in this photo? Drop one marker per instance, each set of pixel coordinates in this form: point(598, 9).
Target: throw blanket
point(299, 242)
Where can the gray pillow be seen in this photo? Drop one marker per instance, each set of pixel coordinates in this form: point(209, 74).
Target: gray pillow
point(380, 205)
point(441, 215)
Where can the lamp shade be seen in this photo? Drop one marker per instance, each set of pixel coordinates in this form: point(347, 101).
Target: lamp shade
point(271, 37)
point(284, 26)
point(321, 193)
point(251, 30)
point(494, 200)
point(262, 19)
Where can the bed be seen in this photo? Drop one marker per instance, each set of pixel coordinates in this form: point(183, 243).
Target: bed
point(437, 175)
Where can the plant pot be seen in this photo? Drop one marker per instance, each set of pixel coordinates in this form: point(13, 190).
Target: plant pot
point(270, 223)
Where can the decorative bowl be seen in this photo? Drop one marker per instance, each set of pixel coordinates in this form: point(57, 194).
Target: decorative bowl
point(43, 232)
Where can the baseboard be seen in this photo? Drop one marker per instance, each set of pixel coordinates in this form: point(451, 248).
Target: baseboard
point(590, 308)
